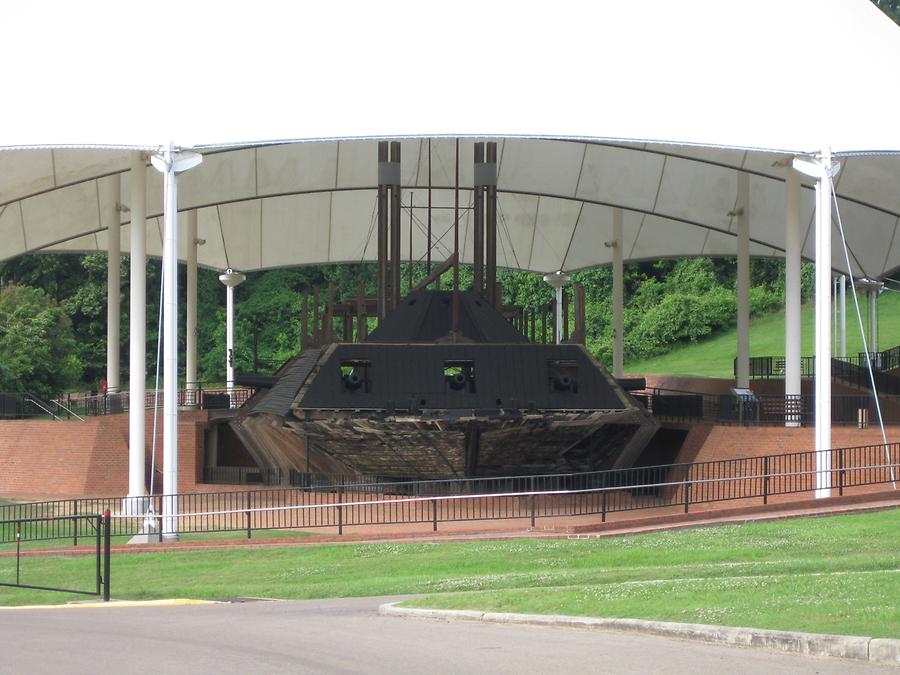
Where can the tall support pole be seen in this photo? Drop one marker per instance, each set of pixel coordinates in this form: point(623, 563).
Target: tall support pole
point(455, 327)
point(478, 224)
point(792, 296)
point(834, 312)
point(169, 163)
point(743, 281)
point(490, 240)
point(822, 169)
point(428, 247)
point(843, 316)
point(823, 327)
point(618, 297)
point(113, 289)
point(395, 225)
point(137, 334)
point(383, 178)
point(170, 349)
point(190, 360)
point(410, 270)
point(873, 317)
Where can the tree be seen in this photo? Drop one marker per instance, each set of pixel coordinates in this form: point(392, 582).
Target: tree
point(889, 7)
point(37, 346)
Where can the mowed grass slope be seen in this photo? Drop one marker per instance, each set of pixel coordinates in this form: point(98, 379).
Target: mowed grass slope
point(836, 574)
point(714, 356)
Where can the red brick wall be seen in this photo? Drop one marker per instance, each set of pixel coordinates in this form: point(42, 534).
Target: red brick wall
point(49, 459)
point(705, 443)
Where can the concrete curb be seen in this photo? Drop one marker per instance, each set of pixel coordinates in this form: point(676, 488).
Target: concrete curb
point(875, 650)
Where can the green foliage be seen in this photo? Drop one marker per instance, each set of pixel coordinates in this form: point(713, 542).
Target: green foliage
point(889, 7)
point(667, 303)
point(37, 347)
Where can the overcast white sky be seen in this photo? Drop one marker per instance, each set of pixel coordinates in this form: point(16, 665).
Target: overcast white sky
point(777, 74)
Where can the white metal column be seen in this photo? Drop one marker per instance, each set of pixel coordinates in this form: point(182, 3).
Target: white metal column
point(113, 288)
point(873, 316)
point(137, 331)
point(843, 316)
point(618, 299)
point(792, 295)
point(169, 163)
point(822, 169)
point(835, 318)
point(190, 362)
point(742, 213)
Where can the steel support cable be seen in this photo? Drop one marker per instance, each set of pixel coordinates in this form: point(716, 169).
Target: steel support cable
point(837, 213)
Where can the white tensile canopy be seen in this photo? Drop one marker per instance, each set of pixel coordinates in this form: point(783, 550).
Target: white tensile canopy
point(652, 107)
point(684, 117)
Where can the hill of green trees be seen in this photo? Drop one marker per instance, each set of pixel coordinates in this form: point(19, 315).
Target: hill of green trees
point(53, 312)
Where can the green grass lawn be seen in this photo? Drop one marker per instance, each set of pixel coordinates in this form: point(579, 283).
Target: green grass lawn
point(714, 356)
point(837, 574)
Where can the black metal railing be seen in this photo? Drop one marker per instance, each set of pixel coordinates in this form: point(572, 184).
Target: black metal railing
point(851, 369)
point(79, 406)
point(94, 527)
point(594, 493)
point(679, 406)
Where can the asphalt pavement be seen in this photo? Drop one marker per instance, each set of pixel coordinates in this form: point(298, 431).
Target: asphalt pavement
point(348, 636)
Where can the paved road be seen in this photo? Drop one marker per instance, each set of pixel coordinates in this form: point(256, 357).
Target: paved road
point(347, 636)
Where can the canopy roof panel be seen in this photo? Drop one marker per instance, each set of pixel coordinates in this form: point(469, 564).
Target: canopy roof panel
point(314, 202)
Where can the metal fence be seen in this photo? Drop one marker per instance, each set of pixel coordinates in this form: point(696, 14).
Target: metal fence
point(851, 369)
point(79, 406)
point(476, 499)
point(681, 406)
point(95, 527)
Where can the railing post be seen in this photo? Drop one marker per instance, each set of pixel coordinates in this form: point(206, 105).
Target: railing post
point(687, 488)
point(341, 509)
point(603, 506)
point(106, 541)
point(75, 522)
point(98, 575)
point(434, 515)
point(841, 471)
point(766, 479)
point(532, 509)
point(18, 545)
point(249, 519)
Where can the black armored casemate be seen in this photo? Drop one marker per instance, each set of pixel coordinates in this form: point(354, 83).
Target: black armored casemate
point(412, 401)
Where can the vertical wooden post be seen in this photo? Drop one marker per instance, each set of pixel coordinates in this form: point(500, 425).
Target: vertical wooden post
point(395, 227)
point(580, 327)
point(491, 228)
point(328, 328)
point(478, 225)
point(304, 321)
point(317, 335)
point(382, 229)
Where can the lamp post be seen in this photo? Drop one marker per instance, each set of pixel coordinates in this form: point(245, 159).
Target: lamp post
point(558, 279)
point(231, 279)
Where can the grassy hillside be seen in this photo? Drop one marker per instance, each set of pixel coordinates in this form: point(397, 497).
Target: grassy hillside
point(714, 356)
